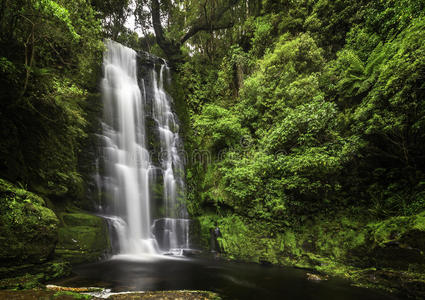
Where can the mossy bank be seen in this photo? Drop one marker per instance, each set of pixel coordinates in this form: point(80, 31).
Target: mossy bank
point(40, 243)
point(387, 255)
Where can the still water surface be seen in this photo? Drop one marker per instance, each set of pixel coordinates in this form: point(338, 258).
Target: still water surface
point(230, 280)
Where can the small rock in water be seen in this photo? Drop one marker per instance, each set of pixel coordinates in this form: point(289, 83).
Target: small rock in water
point(315, 277)
point(183, 252)
point(191, 252)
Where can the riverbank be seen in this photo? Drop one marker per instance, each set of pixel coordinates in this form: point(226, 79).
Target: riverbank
point(387, 254)
point(73, 293)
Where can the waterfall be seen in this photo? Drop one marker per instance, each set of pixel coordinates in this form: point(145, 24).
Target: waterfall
point(142, 221)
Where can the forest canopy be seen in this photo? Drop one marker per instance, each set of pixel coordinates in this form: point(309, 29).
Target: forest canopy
point(327, 95)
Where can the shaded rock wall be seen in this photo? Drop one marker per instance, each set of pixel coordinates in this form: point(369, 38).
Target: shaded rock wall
point(82, 237)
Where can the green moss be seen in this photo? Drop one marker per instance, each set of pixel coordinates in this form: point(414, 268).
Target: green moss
point(82, 237)
point(81, 219)
point(24, 282)
point(235, 239)
point(419, 222)
point(207, 223)
point(289, 243)
point(374, 254)
point(29, 229)
point(395, 228)
point(32, 275)
point(57, 269)
point(71, 294)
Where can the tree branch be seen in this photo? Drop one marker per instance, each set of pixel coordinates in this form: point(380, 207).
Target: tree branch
point(167, 46)
point(208, 24)
point(204, 27)
point(171, 47)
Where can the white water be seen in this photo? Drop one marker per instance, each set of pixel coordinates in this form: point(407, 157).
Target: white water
point(175, 228)
point(127, 173)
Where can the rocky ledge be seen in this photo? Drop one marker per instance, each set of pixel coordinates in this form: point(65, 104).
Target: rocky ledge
point(68, 293)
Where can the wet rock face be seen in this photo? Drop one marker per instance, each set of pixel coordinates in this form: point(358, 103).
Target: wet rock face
point(162, 229)
point(82, 238)
point(149, 59)
point(153, 140)
point(28, 229)
point(215, 233)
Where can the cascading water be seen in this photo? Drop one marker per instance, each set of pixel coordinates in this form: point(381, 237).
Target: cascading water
point(129, 174)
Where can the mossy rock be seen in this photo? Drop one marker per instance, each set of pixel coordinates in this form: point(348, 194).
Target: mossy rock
point(50, 270)
point(33, 276)
point(24, 282)
point(81, 219)
point(28, 229)
point(398, 243)
point(82, 237)
point(39, 294)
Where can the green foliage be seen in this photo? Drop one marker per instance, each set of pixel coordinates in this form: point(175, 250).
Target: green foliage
point(233, 230)
point(51, 53)
point(207, 223)
point(114, 14)
point(231, 74)
point(57, 270)
point(262, 35)
point(52, 8)
point(382, 100)
point(73, 295)
point(220, 128)
point(329, 22)
point(315, 107)
point(389, 18)
point(274, 85)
